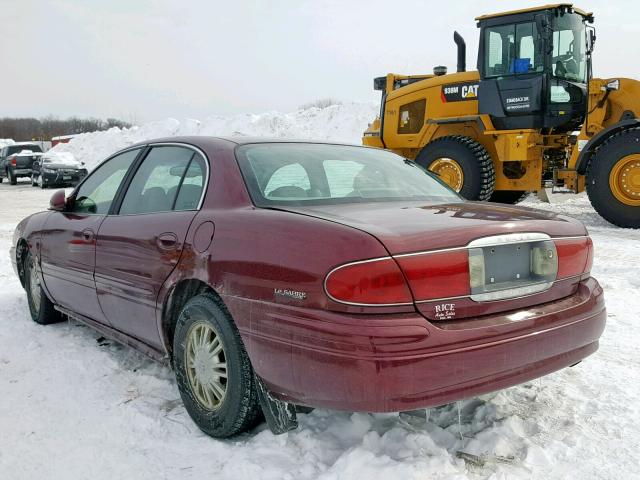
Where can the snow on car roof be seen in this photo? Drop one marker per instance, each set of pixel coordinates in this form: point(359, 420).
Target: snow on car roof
point(26, 153)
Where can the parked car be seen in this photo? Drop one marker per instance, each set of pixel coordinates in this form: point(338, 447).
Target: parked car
point(16, 160)
point(274, 274)
point(57, 169)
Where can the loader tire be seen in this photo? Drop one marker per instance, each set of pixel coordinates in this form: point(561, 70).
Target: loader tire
point(462, 163)
point(508, 196)
point(613, 179)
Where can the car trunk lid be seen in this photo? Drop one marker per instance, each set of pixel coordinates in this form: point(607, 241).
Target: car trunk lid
point(429, 238)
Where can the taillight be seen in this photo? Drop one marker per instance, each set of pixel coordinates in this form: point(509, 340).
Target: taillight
point(575, 256)
point(14, 162)
point(437, 275)
point(372, 282)
point(492, 268)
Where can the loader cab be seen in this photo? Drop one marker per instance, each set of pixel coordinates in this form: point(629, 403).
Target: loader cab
point(534, 68)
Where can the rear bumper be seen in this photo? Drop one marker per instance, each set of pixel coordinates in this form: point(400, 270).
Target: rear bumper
point(21, 172)
point(384, 363)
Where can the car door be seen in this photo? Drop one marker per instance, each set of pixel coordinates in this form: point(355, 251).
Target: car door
point(68, 246)
point(139, 247)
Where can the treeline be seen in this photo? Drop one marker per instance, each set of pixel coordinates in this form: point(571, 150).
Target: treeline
point(25, 129)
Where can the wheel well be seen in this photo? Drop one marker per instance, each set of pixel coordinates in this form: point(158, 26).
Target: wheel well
point(178, 297)
point(21, 251)
point(599, 139)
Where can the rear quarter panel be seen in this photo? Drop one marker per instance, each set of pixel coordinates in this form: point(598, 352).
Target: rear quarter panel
point(257, 254)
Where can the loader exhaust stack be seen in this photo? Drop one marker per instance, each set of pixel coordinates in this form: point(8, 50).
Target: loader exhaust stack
point(462, 52)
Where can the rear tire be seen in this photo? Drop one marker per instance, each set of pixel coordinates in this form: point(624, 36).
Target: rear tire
point(12, 178)
point(235, 408)
point(508, 196)
point(471, 157)
point(622, 208)
point(40, 307)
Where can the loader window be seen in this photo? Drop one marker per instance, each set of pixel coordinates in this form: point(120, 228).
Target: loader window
point(569, 48)
point(512, 50)
point(411, 117)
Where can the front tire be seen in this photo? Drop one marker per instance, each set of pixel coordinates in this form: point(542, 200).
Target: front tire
point(613, 179)
point(40, 307)
point(213, 371)
point(462, 163)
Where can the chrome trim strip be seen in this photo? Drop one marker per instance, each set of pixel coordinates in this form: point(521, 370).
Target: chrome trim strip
point(377, 259)
point(205, 186)
point(472, 244)
point(507, 294)
point(444, 299)
point(508, 239)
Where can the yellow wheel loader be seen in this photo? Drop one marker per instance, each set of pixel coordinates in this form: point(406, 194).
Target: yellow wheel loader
point(530, 117)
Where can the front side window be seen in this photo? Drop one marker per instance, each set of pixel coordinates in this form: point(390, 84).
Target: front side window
point(512, 50)
point(155, 185)
point(569, 59)
point(97, 192)
point(318, 174)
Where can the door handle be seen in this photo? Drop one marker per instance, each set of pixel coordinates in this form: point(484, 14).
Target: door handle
point(87, 235)
point(167, 240)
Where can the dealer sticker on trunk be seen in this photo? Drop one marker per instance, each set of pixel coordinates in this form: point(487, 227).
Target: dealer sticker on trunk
point(445, 311)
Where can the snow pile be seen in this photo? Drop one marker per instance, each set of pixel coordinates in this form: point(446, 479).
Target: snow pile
point(6, 141)
point(340, 123)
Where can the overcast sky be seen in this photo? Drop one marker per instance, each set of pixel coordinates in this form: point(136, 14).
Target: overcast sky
point(142, 60)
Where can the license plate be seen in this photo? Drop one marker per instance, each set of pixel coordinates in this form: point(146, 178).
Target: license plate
point(66, 177)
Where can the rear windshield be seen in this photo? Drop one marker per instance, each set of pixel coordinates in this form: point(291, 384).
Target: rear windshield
point(18, 148)
point(318, 174)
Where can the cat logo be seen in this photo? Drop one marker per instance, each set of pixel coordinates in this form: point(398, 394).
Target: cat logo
point(469, 91)
point(458, 92)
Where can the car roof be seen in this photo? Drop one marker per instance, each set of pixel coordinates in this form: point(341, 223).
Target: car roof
point(207, 140)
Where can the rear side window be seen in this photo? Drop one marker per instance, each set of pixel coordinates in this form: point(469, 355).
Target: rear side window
point(97, 192)
point(169, 178)
point(190, 191)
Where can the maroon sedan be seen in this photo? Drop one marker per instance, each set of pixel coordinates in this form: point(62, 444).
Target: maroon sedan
point(277, 274)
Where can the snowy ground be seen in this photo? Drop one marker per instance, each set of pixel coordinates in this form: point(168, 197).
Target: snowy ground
point(74, 406)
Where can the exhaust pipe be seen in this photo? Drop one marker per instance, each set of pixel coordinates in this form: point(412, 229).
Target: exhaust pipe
point(462, 52)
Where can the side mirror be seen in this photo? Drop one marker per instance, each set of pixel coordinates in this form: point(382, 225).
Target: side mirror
point(591, 39)
point(58, 201)
point(613, 84)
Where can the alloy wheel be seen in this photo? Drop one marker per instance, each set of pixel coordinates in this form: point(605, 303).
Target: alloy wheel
point(206, 366)
point(34, 286)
